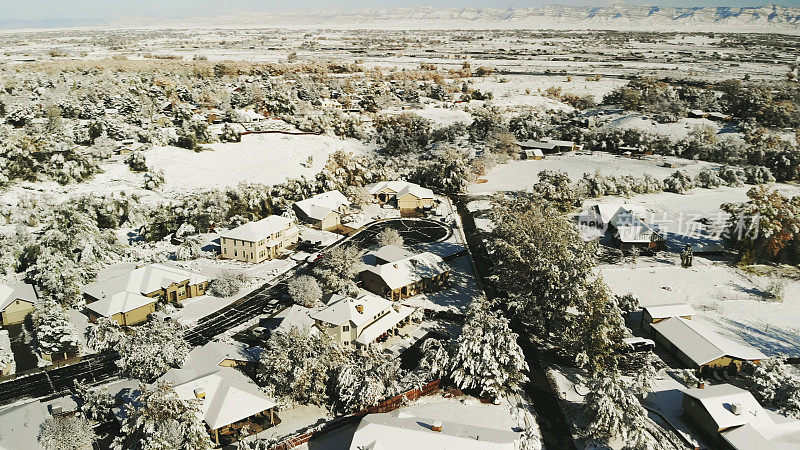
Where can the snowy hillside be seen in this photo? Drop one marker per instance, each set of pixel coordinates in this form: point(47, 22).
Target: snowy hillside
point(769, 18)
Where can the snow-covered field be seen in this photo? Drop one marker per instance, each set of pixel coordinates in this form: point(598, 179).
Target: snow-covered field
point(522, 174)
point(524, 89)
point(259, 158)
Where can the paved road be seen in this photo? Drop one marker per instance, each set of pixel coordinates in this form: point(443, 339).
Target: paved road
point(266, 300)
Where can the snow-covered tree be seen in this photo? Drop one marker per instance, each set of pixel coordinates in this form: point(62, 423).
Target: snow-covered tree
point(775, 384)
point(647, 374)
point(305, 290)
point(487, 356)
point(359, 195)
point(435, 360)
point(103, 335)
point(389, 236)
point(612, 410)
point(55, 334)
point(556, 188)
point(708, 179)
point(152, 349)
point(159, 419)
point(540, 261)
point(66, 432)
point(758, 175)
point(7, 362)
point(96, 403)
point(297, 365)
point(679, 182)
point(153, 179)
point(338, 268)
point(137, 161)
point(228, 283)
point(365, 378)
point(732, 176)
point(598, 330)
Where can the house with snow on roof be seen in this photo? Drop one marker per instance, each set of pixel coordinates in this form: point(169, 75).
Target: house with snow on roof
point(548, 145)
point(657, 313)
point(364, 320)
point(219, 354)
point(162, 281)
point(16, 302)
point(699, 347)
point(124, 308)
point(228, 401)
point(259, 241)
point(403, 429)
point(406, 196)
point(323, 211)
point(731, 419)
point(396, 273)
point(625, 225)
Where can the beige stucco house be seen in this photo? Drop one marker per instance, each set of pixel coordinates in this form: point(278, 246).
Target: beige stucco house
point(406, 196)
point(363, 320)
point(125, 308)
point(16, 302)
point(162, 281)
point(396, 273)
point(323, 211)
point(255, 242)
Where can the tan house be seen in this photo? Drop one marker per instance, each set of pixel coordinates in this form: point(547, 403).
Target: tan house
point(396, 273)
point(16, 302)
point(406, 196)
point(364, 320)
point(323, 211)
point(255, 242)
point(548, 145)
point(163, 281)
point(125, 308)
point(699, 347)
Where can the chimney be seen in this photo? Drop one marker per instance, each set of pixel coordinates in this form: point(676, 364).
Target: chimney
point(360, 308)
point(737, 408)
point(56, 409)
point(200, 393)
point(701, 385)
point(437, 426)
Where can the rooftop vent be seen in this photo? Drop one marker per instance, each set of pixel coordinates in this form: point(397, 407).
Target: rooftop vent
point(360, 308)
point(56, 409)
point(200, 393)
point(437, 426)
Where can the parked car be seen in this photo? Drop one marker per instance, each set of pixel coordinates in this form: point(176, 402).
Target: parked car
point(637, 344)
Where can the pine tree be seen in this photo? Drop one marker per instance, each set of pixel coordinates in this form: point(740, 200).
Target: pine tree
point(488, 357)
point(159, 419)
point(599, 330)
point(55, 333)
point(338, 268)
point(104, 335)
point(365, 378)
point(305, 290)
point(389, 236)
point(152, 349)
point(612, 410)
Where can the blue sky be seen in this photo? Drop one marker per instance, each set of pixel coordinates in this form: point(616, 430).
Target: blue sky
point(45, 10)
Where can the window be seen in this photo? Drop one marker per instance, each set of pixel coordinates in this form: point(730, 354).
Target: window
point(345, 327)
point(251, 244)
point(235, 252)
point(251, 255)
point(225, 250)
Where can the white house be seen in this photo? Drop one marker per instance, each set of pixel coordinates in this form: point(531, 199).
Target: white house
point(397, 273)
point(732, 419)
point(227, 398)
point(258, 241)
point(402, 430)
point(166, 281)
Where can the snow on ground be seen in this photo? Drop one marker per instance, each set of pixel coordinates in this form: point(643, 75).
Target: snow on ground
point(522, 174)
point(326, 237)
point(293, 420)
point(676, 130)
point(516, 87)
point(458, 295)
point(734, 300)
point(259, 158)
point(370, 213)
point(435, 113)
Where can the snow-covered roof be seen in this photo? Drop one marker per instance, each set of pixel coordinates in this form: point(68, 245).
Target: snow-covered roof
point(296, 316)
point(397, 313)
point(229, 395)
point(143, 280)
point(19, 426)
point(401, 188)
point(12, 292)
point(213, 353)
point(400, 430)
point(389, 253)
point(256, 231)
point(667, 311)
point(341, 310)
point(409, 270)
point(701, 344)
point(743, 422)
point(120, 302)
point(319, 206)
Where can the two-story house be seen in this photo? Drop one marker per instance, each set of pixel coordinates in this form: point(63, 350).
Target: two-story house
point(259, 241)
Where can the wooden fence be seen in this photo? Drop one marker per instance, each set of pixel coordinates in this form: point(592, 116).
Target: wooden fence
point(387, 405)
